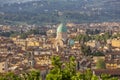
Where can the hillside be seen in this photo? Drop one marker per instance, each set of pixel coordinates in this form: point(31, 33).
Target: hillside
point(51, 11)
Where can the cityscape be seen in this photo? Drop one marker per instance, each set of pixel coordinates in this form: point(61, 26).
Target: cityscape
point(59, 47)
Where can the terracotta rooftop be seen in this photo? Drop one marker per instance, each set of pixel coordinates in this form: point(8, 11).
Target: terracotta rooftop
point(114, 53)
point(107, 71)
point(40, 67)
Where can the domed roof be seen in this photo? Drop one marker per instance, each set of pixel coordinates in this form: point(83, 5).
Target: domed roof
point(61, 28)
point(71, 42)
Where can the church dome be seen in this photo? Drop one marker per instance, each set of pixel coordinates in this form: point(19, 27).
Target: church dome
point(71, 42)
point(61, 28)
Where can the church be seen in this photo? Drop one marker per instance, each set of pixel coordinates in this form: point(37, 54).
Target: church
point(62, 41)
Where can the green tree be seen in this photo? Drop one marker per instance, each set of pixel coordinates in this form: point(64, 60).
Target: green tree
point(98, 53)
point(23, 35)
point(82, 38)
point(105, 77)
point(94, 77)
point(62, 71)
point(55, 73)
point(32, 75)
point(86, 50)
point(2, 77)
point(88, 74)
point(114, 78)
point(100, 64)
point(11, 76)
point(69, 70)
point(78, 76)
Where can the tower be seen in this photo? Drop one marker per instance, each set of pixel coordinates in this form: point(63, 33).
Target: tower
point(62, 32)
point(61, 37)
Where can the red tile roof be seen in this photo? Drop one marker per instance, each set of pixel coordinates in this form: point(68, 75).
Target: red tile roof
point(107, 71)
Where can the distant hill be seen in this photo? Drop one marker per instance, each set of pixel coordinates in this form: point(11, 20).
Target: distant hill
point(13, 1)
point(51, 11)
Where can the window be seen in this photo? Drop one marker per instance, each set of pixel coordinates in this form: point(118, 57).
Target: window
point(3, 69)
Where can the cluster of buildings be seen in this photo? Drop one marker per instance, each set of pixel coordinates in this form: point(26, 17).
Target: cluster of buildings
point(35, 51)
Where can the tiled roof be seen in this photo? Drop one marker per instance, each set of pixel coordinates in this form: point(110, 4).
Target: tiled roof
point(114, 53)
point(107, 71)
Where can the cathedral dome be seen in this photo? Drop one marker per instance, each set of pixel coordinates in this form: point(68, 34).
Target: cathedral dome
point(71, 42)
point(61, 28)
